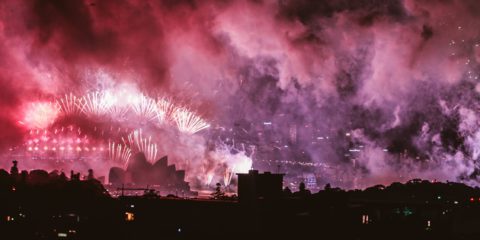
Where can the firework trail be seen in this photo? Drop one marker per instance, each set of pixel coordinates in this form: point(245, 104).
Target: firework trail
point(144, 107)
point(141, 144)
point(115, 108)
point(70, 104)
point(227, 177)
point(165, 109)
point(95, 104)
point(119, 153)
point(188, 122)
point(209, 179)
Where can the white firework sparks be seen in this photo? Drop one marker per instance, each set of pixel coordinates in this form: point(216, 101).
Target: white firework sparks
point(40, 115)
point(95, 103)
point(227, 177)
point(119, 153)
point(188, 122)
point(165, 108)
point(144, 107)
point(142, 144)
point(70, 104)
point(209, 179)
point(118, 112)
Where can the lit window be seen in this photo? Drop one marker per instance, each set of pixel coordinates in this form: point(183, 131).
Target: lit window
point(365, 219)
point(129, 216)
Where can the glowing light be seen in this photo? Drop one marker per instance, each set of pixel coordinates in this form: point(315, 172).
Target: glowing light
point(129, 216)
point(165, 108)
point(188, 122)
point(40, 115)
point(119, 153)
point(209, 178)
point(227, 178)
point(116, 108)
point(70, 104)
point(365, 219)
point(95, 104)
point(118, 112)
point(142, 144)
point(144, 107)
point(235, 160)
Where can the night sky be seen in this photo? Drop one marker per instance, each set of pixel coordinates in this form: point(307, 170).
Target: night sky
point(371, 91)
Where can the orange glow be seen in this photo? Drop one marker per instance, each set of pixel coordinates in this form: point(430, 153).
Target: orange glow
point(129, 216)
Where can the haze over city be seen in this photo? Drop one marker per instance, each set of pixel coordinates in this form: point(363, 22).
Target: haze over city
point(355, 93)
point(192, 119)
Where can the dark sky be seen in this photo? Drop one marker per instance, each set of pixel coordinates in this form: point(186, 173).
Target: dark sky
point(395, 75)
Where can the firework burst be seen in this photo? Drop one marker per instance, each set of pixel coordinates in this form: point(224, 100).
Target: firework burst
point(119, 153)
point(95, 104)
point(118, 112)
point(40, 115)
point(144, 107)
point(165, 108)
point(227, 177)
point(70, 104)
point(142, 144)
point(188, 122)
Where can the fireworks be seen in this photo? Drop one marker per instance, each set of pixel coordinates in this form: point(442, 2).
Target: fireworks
point(107, 118)
point(70, 104)
point(165, 108)
point(116, 105)
point(40, 115)
point(209, 179)
point(188, 122)
point(232, 161)
point(63, 144)
point(95, 104)
point(119, 153)
point(144, 107)
point(227, 178)
point(141, 144)
point(116, 109)
point(118, 112)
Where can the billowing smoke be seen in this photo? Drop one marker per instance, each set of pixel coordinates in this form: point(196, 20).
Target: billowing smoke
point(361, 92)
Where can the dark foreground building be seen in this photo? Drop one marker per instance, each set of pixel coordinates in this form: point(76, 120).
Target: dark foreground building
point(42, 205)
point(255, 186)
